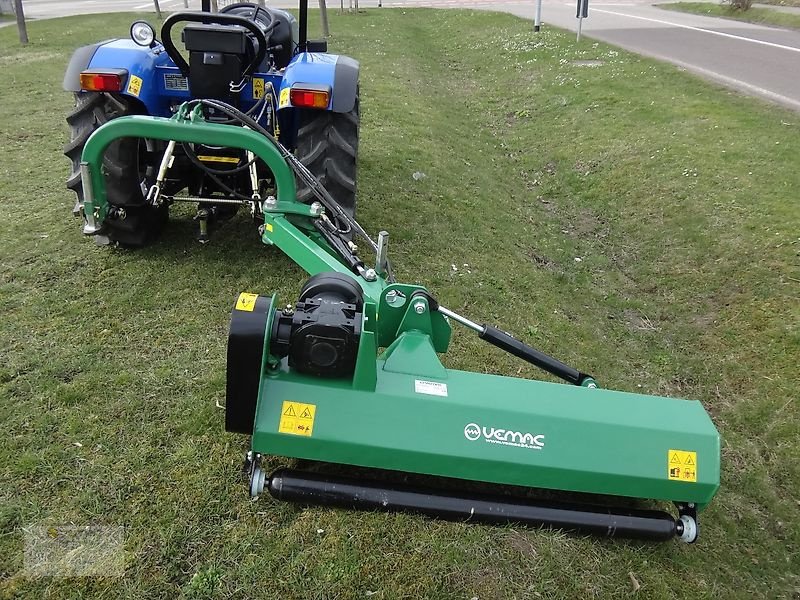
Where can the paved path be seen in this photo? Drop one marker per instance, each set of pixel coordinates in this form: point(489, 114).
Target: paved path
point(758, 60)
point(755, 59)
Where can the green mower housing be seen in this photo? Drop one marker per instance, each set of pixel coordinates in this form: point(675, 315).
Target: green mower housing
point(350, 374)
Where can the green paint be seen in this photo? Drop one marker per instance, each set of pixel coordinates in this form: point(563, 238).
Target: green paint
point(197, 131)
point(595, 441)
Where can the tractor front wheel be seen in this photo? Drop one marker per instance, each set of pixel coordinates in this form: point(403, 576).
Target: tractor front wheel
point(327, 144)
point(127, 166)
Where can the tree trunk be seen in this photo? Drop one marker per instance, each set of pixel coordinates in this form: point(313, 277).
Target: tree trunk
point(323, 13)
point(158, 8)
point(23, 29)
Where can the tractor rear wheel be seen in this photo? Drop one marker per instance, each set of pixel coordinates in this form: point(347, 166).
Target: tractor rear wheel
point(127, 166)
point(327, 144)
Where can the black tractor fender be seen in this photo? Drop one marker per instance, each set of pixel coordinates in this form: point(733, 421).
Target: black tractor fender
point(80, 60)
point(340, 72)
point(345, 84)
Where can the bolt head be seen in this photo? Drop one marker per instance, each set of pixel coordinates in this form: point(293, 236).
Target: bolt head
point(370, 275)
point(419, 307)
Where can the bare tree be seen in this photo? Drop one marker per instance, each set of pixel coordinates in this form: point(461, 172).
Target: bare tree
point(323, 13)
point(23, 29)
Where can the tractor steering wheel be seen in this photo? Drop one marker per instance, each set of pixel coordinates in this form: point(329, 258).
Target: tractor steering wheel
point(221, 19)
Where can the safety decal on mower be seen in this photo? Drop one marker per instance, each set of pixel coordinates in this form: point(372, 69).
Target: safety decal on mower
point(682, 465)
point(297, 418)
point(246, 302)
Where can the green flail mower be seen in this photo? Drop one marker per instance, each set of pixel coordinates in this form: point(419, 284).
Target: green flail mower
point(350, 375)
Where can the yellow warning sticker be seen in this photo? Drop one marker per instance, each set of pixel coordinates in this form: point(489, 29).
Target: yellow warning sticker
point(682, 465)
point(135, 85)
point(297, 418)
point(246, 302)
point(284, 101)
point(269, 227)
point(219, 159)
point(258, 88)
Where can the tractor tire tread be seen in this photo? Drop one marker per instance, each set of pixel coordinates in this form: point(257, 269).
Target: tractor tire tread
point(328, 146)
point(120, 167)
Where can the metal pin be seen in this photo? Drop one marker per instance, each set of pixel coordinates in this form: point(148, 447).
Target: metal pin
point(381, 261)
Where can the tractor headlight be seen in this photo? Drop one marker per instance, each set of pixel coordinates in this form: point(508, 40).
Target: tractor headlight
point(143, 33)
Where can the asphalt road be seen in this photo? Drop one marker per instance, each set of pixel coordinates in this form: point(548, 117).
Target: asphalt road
point(754, 59)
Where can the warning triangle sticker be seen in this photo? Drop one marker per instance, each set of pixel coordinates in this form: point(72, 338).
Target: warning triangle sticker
point(306, 414)
point(289, 412)
point(675, 459)
point(689, 460)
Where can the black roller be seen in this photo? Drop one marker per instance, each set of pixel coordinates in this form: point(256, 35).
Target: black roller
point(319, 489)
point(326, 490)
point(245, 352)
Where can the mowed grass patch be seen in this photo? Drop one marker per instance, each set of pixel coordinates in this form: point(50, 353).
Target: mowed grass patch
point(635, 221)
point(761, 15)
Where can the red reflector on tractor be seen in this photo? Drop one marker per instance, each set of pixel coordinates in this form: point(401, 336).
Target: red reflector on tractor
point(103, 81)
point(310, 98)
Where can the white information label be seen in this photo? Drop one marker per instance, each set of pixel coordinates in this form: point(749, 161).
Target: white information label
point(432, 388)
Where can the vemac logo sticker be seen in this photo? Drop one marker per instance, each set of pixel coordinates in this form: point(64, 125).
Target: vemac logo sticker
point(474, 432)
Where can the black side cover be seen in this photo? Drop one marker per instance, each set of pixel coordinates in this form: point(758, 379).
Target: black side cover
point(345, 84)
point(79, 62)
point(245, 351)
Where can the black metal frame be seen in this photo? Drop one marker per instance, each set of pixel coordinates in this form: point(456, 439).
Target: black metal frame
point(303, 24)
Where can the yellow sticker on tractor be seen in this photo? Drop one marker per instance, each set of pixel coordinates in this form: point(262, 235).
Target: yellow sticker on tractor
point(258, 88)
point(246, 302)
point(682, 465)
point(284, 101)
point(297, 418)
point(135, 85)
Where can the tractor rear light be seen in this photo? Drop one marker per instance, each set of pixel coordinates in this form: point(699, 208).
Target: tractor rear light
point(310, 96)
point(103, 81)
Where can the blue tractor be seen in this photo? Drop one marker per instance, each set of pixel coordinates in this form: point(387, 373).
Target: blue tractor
point(256, 59)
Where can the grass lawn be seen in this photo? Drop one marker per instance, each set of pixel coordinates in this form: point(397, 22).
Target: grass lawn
point(636, 222)
point(765, 16)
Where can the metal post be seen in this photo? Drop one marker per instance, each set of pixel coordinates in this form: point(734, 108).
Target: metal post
point(303, 34)
point(214, 6)
point(581, 14)
point(537, 22)
point(185, 3)
point(323, 13)
point(158, 8)
point(21, 26)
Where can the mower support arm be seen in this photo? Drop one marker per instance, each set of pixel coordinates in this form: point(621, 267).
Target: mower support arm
point(157, 128)
point(278, 229)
